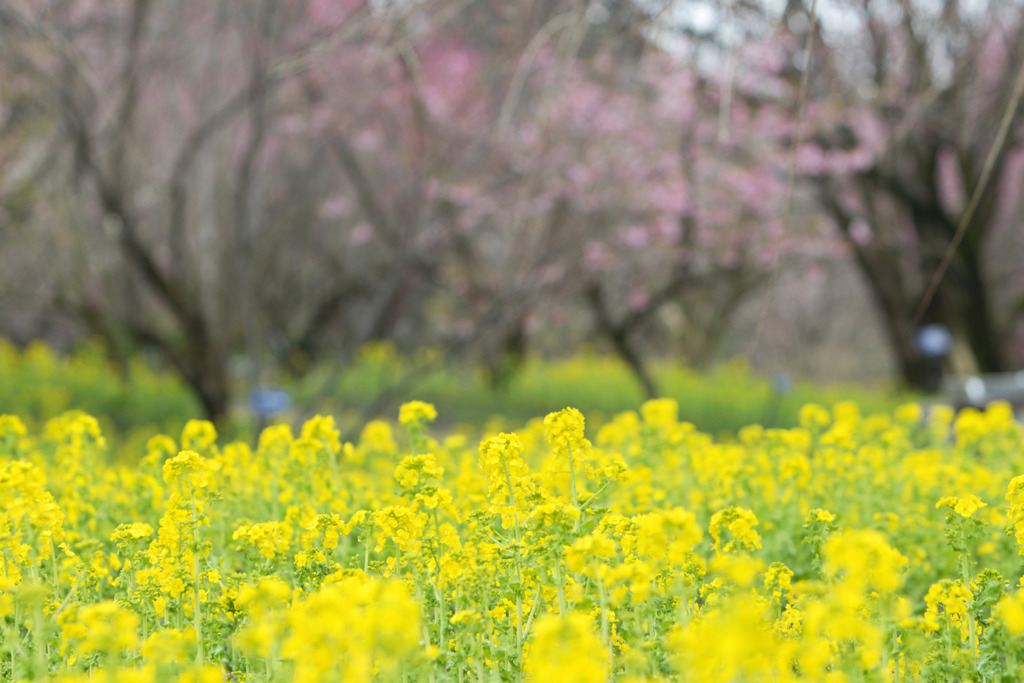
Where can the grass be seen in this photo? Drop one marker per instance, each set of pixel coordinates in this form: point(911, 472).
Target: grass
point(139, 400)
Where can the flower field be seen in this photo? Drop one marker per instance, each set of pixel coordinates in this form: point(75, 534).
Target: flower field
point(850, 548)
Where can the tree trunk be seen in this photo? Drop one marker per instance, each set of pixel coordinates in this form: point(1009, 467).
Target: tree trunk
point(624, 348)
point(974, 313)
point(210, 381)
point(619, 335)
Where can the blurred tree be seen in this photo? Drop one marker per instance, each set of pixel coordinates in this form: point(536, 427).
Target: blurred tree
point(290, 179)
point(908, 98)
point(282, 181)
point(151, 144)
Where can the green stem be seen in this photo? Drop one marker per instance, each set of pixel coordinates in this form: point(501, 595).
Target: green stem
point(967, 585)
point(519, 570)
point(39, 643)
point(572, 484)
point(896, 657)
point(595, 494)
point(442, 610)
point(949, 637)
point(332, 462)
point(533, 613)
point(559, 584)
point(53, 559)
point(366, 552)
point(197, 621)
point(603, 595)
point(572, 478)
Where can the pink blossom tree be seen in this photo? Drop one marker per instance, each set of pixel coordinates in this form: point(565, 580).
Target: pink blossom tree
point(544, 172)
point(279, 181)
point(168, 175)
point(287, 180)
point(906, 109)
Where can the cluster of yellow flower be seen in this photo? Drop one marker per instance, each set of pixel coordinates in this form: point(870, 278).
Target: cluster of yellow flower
point(850, 548)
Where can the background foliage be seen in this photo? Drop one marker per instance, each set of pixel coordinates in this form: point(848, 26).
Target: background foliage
point(247, 188)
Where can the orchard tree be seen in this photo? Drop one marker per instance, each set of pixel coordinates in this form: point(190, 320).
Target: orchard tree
point(541, 170)
point(161, 164)
point(279, 181)
point(902, 112)
point(905, 117)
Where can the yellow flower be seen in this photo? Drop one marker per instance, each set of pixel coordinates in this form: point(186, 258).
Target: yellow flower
point(733, 642)
point(864, 561)
point(814, 417)
point(740, 523)
point(205, 674)
point(169, 646)
point(950, 598)
point(331, 537)
point(741, 570)
point(198, 435)
point(377, 437)
point(322, 428)
point(566, 649)
point(186, 465)
point(271, 539)
point(564, 432)
point(1010, 612)
point(136, 531)
point(909, 413)
point(399, 524)
point(11, 425)
point(271, 592)
point(109, 628)
point(416, 412)
point(275, 439)
point(465, 616)
point(660, 412)
point(1015, 498)
point(593, 546)
point(965, 506)
point(667, 535)
point(502, 464)
point(415, 470)
point(350, 630)
point(820, 515)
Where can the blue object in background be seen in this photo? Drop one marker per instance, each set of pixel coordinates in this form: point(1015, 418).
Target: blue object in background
point(268, 402)
point(933, 341)
point(781, 384)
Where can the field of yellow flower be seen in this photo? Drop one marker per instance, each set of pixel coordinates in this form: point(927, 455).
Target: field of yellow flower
point(850, 548)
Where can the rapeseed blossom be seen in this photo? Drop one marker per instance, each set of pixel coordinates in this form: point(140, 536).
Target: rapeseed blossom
point(127, 533)
point(1015, 499)
point(865, 561)
point(199, 436)
point(350, 630)
point(564, 431)
point(416, 412)
point(507, 477)
point(186, 465)
point(1010, 612)
point(106, 628)
point(566, 648)
point(667, 536)
point(269, 539)
point(965, 506)
point(733, 530)
point(948, 600)
point(656, 552)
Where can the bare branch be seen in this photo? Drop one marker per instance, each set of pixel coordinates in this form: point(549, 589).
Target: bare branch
point(130, 80)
